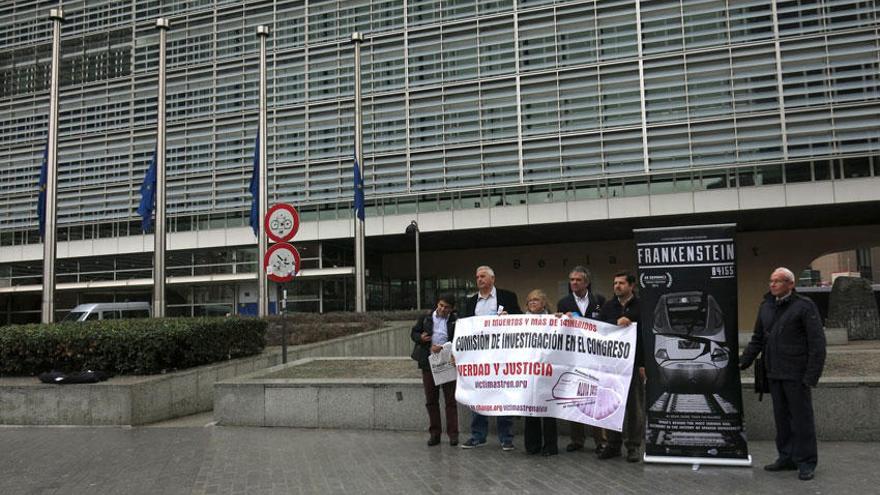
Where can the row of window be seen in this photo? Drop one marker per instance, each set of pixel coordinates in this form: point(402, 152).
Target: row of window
point(679, 181)
point(815, 71)
point(311, 296)
point(672, 23)
point(562, 121)
point(210, 166)
point(206, 300)
point(575, 34)
point(187, 263)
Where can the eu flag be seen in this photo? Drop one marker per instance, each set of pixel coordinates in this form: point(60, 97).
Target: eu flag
point(358, 191)
point(148, 196)
point(255, 189)
point(41, 201)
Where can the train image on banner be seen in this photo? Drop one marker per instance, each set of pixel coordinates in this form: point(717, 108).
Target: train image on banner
point(690, 345)
point(592, 397)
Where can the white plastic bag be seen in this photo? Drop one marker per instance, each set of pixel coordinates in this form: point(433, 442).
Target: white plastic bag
point(441, 365)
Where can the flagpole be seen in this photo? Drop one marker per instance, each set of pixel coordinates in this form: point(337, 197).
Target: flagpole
point(49, 248)
point(360, 304)
point(159, 230)
point(263, 290)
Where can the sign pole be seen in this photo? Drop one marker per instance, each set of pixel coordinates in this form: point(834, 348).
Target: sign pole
point(282, 261)
point(283, 301)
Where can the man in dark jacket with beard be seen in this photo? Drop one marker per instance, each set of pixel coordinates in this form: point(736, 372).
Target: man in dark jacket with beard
point(429, 334)
point(789, 332)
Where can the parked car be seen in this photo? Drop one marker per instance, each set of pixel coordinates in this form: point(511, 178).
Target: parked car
point(109, 311)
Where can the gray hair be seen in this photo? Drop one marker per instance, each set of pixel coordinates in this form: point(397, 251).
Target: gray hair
point(487, 269)
point(785, 273)
point(582, 270)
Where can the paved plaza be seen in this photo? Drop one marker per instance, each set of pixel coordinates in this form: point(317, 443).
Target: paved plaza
point(186, 457)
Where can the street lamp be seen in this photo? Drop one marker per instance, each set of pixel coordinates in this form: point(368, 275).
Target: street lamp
point(413, 228)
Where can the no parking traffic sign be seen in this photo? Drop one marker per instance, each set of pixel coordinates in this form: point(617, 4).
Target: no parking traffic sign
point(281, 222)
point(281, 262)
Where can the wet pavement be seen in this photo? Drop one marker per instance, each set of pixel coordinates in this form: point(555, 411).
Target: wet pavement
point(192, 456)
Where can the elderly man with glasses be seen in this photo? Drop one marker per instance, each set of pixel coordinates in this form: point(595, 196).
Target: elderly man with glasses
point(789, 333)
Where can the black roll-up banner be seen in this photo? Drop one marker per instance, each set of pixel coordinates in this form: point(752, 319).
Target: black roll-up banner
point(687, 283)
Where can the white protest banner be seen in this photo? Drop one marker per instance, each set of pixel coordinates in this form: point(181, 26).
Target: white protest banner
point(540, 365)
point(441, 365)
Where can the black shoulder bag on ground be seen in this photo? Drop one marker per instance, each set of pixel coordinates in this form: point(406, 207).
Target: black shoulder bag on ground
point(59, 378)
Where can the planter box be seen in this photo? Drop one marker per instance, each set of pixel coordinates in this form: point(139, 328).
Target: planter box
point(137, 400)
point(126, 400)
point(844, 407)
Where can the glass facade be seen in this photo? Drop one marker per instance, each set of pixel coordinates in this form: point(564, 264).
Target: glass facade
point(513, 98)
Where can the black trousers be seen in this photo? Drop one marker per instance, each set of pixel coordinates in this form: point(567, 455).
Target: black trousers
point(540, 434)
point(795, 426)
point(579, 434)
point(634, 419)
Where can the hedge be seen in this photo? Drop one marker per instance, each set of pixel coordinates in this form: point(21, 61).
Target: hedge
point(307, 328)
point(373, 319)
point(142, 346)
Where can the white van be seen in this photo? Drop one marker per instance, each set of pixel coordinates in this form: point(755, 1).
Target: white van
point(109, 311)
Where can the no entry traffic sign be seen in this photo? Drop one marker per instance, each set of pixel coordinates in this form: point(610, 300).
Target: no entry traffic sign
point(281, 262)
point(281, 222)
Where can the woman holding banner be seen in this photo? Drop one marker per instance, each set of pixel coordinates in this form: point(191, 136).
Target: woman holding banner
point(540, 433)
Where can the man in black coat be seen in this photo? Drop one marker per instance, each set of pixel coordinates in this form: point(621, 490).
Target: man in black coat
point(789, 332)
point(429, 334)
point(581, 301)
point(490, 300)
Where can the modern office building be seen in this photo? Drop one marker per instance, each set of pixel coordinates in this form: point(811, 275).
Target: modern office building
point(531, 135)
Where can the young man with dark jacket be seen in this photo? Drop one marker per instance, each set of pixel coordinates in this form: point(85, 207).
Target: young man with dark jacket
point(429, 334)
point(789, 333)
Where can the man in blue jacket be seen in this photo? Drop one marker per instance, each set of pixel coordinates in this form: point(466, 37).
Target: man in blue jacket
point(789, 332)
